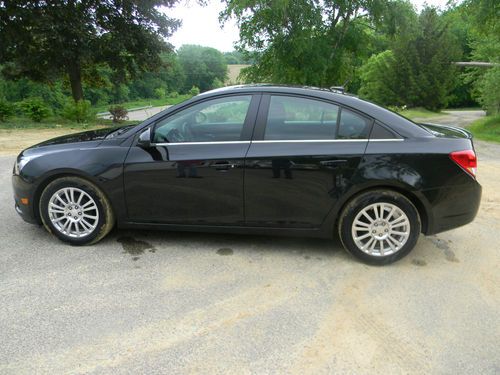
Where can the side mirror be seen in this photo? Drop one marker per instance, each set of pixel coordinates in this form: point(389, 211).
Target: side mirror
point(145, 139)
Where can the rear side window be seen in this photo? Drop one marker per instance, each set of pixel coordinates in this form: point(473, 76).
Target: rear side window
point(293, 118)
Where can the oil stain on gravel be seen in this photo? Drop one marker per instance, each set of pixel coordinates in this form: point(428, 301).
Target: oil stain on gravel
point(225, 251)
point(419, 262)
point(135, 247)
point(443, 245)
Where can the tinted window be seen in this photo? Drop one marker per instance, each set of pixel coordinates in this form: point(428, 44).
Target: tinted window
point(292, 118)
point(213, 120)
point(380, 132)
point(353, 126)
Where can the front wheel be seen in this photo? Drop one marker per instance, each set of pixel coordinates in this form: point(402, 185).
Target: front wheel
point(75, 211)
point(379, 226)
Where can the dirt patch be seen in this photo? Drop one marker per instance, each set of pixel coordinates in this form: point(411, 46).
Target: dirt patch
point(13, 141)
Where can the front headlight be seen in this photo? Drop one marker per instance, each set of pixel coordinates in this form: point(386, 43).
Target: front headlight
point(20, 163)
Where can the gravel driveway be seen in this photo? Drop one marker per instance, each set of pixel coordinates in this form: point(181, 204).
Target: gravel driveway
point(145, 302)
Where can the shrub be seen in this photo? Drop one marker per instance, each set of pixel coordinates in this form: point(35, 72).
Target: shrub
point(159, 93)
point(217, 83)
point(173, 94)
point(6, 110)
point(34, 108)
point(118, 112)
point(80, 111)
point(194, 91)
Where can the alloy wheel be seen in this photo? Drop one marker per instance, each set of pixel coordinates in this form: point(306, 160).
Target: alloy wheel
point(73, 212)
point(380, 229)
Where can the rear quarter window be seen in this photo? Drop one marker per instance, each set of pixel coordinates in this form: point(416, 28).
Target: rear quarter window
point(379, 131)
point(353, 125)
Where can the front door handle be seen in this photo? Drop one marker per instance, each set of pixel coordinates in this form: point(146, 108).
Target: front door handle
point(333, 163)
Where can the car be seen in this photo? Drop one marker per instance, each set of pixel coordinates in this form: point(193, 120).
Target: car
point(262, 159)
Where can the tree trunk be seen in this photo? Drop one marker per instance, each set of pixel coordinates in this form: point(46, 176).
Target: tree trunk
point(75, 79)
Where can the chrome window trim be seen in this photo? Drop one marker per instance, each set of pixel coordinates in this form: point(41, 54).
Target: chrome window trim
point(326, 140)
point(277, 141)
point(201, 143)
point(309, 140)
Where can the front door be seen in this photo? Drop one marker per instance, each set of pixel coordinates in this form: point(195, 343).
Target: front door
point(193, 173)
point(302, 158)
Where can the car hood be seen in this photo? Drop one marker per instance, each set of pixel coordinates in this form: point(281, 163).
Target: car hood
point(91, 135)
point(87, 139)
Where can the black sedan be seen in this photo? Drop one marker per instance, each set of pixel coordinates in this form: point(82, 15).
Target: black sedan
point(258, 159)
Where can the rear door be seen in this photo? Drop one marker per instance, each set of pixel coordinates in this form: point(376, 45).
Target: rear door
point(302, 157)
point(193, 172)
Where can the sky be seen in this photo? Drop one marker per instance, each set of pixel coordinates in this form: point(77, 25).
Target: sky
point(200, 24)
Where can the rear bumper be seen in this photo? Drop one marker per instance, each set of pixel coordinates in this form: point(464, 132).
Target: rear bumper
point(452, 206)
point(23, 189)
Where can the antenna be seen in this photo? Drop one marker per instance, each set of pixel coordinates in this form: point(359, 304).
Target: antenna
point(339, 89)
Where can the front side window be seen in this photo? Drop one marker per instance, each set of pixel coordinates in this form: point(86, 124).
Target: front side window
point(217, 120)
point(293, 118)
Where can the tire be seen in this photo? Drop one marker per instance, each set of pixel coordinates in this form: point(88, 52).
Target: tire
point(391, 233)
point(76, 211)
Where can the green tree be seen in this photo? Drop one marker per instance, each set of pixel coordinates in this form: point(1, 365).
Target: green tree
point(304, 41)
point(43, 40)
point(377, 79)
point(202, 66)
point(234, 57)
point(485, 46)
point(423, 71)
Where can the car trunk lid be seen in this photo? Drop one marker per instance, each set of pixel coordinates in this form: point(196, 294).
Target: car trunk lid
point(446, 131)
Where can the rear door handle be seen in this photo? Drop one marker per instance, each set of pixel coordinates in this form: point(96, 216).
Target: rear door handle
point(332, 163)
point(222, 166)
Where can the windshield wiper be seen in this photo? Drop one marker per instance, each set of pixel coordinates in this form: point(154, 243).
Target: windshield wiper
point(118, 131)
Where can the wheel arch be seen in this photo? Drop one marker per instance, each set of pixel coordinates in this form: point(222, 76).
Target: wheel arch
point(417, 199)
point(55, 176)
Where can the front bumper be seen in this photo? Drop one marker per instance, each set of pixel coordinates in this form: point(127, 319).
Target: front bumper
point(23, 189)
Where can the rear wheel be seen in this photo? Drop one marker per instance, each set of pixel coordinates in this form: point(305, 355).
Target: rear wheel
point(76, 211)
point(379, 226)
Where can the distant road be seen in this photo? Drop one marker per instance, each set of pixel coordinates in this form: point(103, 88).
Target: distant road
point(141, 114)
point(456, 118)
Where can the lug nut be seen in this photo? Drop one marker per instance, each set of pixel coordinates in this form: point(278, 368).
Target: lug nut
point(387, 230)
point(79, 213)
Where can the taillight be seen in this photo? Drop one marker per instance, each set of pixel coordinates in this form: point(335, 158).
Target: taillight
point(466, 159)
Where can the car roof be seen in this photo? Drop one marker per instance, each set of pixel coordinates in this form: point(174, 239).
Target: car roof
point(398, 123)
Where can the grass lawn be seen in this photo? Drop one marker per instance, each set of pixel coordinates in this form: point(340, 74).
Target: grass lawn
point(486, 128)
point(419, 113)
point(146, 102)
